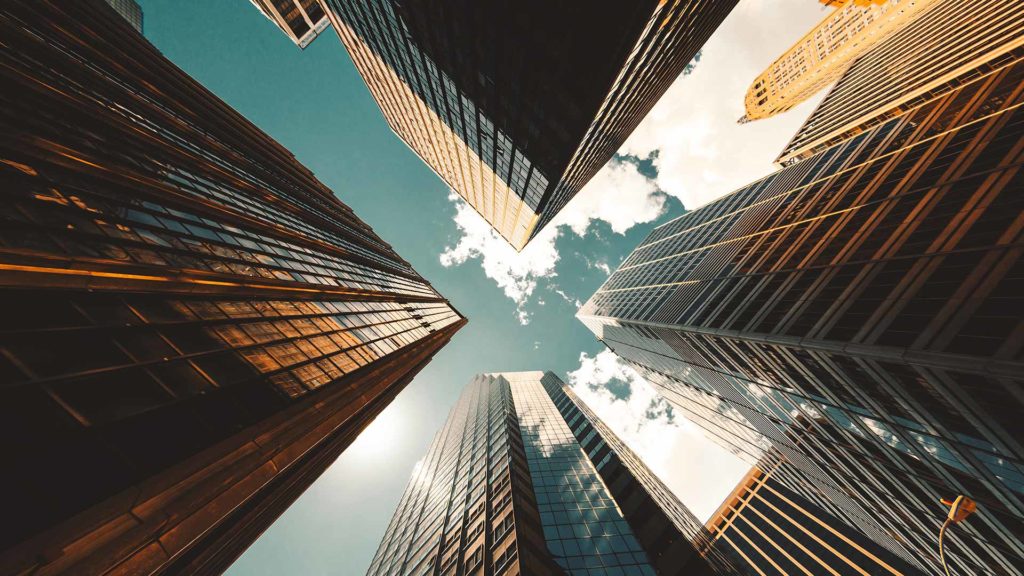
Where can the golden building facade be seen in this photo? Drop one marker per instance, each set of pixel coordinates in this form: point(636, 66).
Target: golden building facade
point(192, 326)
point(947, 46)
point(820, 57)
point(774, 531)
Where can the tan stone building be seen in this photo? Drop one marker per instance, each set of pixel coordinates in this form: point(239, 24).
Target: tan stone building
point(820, 58)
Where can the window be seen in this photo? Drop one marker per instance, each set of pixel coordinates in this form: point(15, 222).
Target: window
point(475, 559)
point(505, 558)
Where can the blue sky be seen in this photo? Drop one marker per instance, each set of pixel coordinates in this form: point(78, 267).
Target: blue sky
point(521, 306)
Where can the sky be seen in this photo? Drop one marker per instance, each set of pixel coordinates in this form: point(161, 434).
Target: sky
point(521, 306)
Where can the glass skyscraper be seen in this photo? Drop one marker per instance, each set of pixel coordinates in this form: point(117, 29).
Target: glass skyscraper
point(774, 531)
point(517, 105)
point(859, 317)
point(952, 42)
point(524, 479)
point(192, 326)
point(130, 11)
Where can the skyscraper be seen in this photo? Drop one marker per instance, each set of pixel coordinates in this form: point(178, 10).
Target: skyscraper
point(300, 20)
point(192, 326)
point(774, 531)
point(859, 314)
point(949, 44)
point(524, 479)
point(823, 54)
point(130, 11)
point(517, 105)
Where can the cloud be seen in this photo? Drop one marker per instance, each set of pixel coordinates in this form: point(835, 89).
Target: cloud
point(691, 135)
point(600, 265)
point(575, 302)
point(698, 471)
point(619, 195)
point(516, 273)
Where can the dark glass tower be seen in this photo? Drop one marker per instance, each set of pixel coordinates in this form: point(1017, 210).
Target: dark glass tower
point(773, 531)
point(861, 314)
point(516, 105)
point(524, 479)
point(192, 327)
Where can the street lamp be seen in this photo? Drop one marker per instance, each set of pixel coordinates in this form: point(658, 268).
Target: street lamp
point(959, 510)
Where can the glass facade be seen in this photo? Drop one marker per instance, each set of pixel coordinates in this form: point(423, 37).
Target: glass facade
point(469, 508)
point(819, 58)
point(130, 11)
point(524, 479)
point(583, 527)
point(774, 531)
point(451, 82)
point(857, 318)
point(192, 327)
point(950, 44)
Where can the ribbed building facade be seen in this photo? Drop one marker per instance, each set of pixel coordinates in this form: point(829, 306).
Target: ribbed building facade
point(859, 315)
point(773, 531)
point(950, 44)
point(300, 20)
point(823, 54)
point(192, 327)
point(517, 105)
point(524, 479)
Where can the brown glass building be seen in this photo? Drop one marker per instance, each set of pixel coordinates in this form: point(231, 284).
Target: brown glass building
point(524, 479)
point(773, 531)
point(516, 105)
point(192, 327)
point(859, 315)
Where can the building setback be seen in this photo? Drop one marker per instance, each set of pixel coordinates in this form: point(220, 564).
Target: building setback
point(859, 316)
point(949, 44)
point(524, 479)
point(300, 20)
point(192, 327)
point(774, 531)
point(517, 105)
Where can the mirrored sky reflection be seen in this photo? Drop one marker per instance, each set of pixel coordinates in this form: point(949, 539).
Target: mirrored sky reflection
point(687, 152)
point(583, 526)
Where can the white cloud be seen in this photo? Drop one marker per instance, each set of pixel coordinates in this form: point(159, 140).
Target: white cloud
point(619, 195)
point(702, 154)
point(516, 273)
point(698, 471)
point(569, 299)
